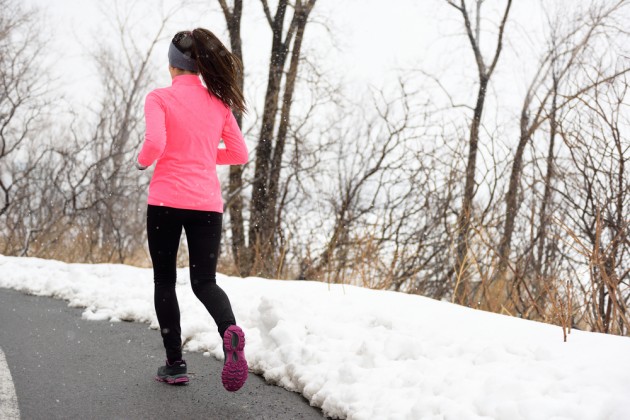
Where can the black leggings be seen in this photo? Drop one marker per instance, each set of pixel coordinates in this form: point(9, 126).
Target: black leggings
point(203, 234)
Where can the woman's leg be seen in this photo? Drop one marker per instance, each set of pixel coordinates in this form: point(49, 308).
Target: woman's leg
point(203, 233)
point(164, 229)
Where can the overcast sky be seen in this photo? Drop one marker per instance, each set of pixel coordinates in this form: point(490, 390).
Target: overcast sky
point(362, 42)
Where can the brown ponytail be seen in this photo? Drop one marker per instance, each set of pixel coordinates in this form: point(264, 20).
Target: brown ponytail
point(217, 65)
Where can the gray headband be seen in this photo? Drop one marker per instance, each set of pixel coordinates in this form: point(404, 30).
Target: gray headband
point(178, 59)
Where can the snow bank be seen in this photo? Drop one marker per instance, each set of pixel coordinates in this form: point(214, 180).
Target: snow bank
point(365, 354)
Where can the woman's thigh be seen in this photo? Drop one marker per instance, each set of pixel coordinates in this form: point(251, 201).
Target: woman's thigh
point(164, 229)
point(203, 234)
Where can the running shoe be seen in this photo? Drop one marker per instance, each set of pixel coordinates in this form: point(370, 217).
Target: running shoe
point(173, 373)
point(234, 372)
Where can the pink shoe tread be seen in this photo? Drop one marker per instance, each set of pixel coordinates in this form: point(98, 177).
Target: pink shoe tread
point(234, 372)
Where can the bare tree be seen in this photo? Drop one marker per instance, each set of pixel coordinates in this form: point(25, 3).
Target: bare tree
point(235, 204)
point(23, 112)
point(271, 144)
point(371, 218)
point(259, 255)
point(565, 52)
point(485, 71)
point(364, 161)
point(105, 193)
point(596, 193)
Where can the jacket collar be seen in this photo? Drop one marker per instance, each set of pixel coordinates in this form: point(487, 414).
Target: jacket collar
point(186, 79)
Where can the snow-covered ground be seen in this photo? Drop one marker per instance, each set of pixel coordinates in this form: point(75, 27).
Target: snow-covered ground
point(365, 354)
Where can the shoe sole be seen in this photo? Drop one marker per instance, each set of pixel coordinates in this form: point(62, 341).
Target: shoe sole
point(173, 380)
point(234, 372)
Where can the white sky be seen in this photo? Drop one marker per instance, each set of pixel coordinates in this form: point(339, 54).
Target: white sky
point(369, 41)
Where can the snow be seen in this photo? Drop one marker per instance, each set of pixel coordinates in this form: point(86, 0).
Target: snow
point(366, 354)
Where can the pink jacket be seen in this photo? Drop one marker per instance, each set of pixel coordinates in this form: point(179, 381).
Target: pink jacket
point(184, 126)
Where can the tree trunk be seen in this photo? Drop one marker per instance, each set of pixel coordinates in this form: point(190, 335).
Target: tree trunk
point(301, 15)
point(235, 203)
point(544, 217)
point(260, 228)
point(263, 223)
point(461, 288)
point(512, 202)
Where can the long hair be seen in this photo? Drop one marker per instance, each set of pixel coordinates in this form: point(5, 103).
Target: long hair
point(219, 68)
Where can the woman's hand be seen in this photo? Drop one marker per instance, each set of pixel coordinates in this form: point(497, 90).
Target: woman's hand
point(140, 167)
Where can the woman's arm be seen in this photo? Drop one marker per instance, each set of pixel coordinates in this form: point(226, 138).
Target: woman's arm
point(235, 152)
point(155, 135)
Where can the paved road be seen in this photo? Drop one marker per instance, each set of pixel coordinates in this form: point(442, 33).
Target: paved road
point(64, 367)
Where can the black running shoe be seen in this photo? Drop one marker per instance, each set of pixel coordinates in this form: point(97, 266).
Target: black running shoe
point(173, 373)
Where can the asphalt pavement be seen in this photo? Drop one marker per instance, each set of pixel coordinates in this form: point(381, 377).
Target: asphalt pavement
point(64, 367)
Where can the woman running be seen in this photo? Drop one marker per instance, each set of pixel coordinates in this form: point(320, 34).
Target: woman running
point(184, 124)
